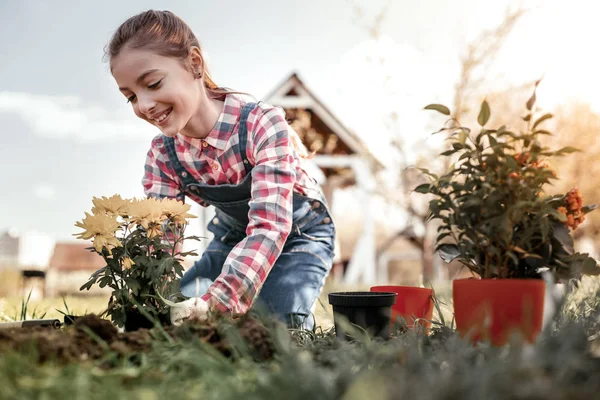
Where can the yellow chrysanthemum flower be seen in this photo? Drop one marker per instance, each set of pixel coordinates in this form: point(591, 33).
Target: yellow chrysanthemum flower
point(97, 224)
point(113, 205)
point(145, 212)
point(106, 241)
point(127, 263)
point(176, 209)
point(154, 230)
point(101, 228)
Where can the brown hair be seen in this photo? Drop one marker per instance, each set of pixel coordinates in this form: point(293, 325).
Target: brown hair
point(166, 34)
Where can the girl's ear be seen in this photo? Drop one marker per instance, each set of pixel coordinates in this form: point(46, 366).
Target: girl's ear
point(196, 61)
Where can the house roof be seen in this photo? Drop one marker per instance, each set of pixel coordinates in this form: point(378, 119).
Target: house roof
point(75, 257)
point(293, 93)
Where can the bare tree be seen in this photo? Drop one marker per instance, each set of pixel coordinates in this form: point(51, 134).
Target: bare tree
point(475, 63)
point(477, 60)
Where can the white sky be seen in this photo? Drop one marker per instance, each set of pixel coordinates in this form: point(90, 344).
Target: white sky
point(68, 134)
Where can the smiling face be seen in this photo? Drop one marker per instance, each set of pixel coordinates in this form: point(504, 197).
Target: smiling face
point(160, 89)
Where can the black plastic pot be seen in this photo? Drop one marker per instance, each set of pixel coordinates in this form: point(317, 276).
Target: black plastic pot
point(369, 310)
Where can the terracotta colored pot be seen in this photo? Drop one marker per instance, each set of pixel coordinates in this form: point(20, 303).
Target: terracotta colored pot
point(411, 303)
point(495, 309)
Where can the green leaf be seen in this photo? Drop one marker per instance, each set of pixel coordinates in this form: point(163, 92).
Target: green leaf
point(513, 257)
point(557, 215)
point(590, 267)
point(88, 285)
point(462, 136)
point(424, 188)
point(484, 113)
point(442, 236)
point(133, 285)
point(105, 281)
point(567, 150)
point(511, 163)
point(439, 131)
point(464, 155)
point(448, 252)
point(178, 270)
point(588, 208)
point(508, 133)
point(461, 129)
point(541, 119)
point(424, 171)
point(532, 99)
point(167, 302)
point(439, 108)
point(562, 236)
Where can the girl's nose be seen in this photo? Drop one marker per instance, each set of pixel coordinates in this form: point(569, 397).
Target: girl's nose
point(146, 105)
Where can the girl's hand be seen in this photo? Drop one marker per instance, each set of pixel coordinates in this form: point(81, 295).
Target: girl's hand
point(194, 308)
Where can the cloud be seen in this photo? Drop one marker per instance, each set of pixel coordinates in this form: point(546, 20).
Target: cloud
point(44, 191)
point(67, 117)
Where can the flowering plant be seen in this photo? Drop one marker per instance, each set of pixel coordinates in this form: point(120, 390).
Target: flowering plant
point(495, 217)
point(140, 241)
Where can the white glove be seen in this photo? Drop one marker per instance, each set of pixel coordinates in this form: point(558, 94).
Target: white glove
point(194, 308)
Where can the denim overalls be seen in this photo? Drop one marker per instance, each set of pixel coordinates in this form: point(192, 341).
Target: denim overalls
point(296, 279)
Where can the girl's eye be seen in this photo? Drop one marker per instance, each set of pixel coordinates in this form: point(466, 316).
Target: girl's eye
point(155, 85)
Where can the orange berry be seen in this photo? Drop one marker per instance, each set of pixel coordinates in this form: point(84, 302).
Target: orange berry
point(562, 210)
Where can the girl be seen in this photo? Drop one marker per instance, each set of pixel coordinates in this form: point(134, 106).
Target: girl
point(273, 235)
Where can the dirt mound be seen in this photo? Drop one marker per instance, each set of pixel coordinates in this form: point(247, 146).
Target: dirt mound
point(101, 327)
point(258, 337)
point(91, 337)
point(68, 345)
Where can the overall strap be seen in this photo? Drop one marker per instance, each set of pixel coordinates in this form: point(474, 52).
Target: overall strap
point(243, 134)
point(184, 175)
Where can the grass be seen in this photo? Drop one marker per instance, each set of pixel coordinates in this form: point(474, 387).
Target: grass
point(562, 364)
point(14, 308)
point(559, 366)
point(11, 307)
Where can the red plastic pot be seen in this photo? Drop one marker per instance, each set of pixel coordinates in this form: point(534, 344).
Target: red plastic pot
point(495, 309)
point(412, 303)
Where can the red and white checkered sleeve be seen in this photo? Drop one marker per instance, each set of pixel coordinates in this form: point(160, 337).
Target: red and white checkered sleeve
point(270, 216)
point(158, 178)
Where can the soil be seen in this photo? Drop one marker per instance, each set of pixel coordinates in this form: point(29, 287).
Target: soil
point(92, 337)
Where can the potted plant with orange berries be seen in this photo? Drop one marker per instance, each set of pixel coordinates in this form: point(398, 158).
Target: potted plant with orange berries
point(140, 241)
point(495, 219)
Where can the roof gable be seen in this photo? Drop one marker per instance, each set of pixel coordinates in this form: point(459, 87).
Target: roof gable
point(293, 93)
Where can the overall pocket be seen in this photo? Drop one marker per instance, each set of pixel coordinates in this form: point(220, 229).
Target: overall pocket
point(225, 232)
point(316, 227)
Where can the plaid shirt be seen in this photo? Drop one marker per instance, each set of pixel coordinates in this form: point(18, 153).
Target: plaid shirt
point(276, 174)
